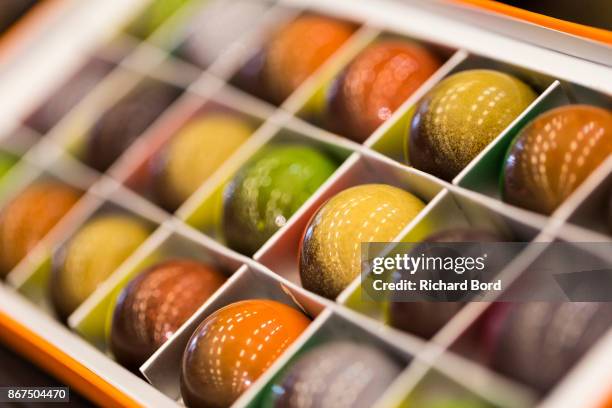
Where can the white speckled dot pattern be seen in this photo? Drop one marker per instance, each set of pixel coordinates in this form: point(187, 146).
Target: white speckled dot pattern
point(554, 154)
point(234, 346)
point(330, 255)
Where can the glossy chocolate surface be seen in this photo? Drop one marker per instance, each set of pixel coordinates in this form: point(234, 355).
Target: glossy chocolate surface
point(425, 319)
point(12, 10)
point(154, 16)
point(233, 347)
point(338, 374)
point(268, 190)
point(330, 249)
point(155, 304)
point(375, 84)
point(7, 161)
point(460, 116)
point(537, 343)
point(554, 154)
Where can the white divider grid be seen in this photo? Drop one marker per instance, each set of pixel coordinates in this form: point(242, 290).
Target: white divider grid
point(473, 205)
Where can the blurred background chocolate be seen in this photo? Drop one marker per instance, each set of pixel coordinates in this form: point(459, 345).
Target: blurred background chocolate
point(339, 374)
point(250, 77)
point(460, 116)
point(349, 68)
point(153, 16)
point(155, 304)
point(267, 190)
point(298, 49)
point(538, 343)
point(195, 153)
point(68, 95)
point(13, 10)
point(375, 84)
point(123, 122)
point(91, 256)
point(232, 347)
point(28, 217)
point(425, 319)
point(330, 254)
point(7, 161)
point(292, 54)
point(554, 154)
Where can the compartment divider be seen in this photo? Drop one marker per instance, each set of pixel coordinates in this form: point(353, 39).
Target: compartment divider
point(260, 384)
point(597, 366)
point(102, 293)
point(498, 146)
point(249, 282)
point(471, 199)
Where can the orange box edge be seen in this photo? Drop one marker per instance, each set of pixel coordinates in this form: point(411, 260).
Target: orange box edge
point(59, 364)
point(580, 30)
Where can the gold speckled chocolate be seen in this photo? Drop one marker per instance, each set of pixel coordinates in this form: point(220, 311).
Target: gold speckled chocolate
point(330, 250)
point(91, 256)
point(554, 154)
point(28, 218)
point(460, 116)
point(155, 304)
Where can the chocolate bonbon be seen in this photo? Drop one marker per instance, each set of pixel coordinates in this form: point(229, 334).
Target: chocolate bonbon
point(298, 49)
point(330, 248)
point(425, 318)
point(293, 53)
point(460, 116)
point(219, 27)
point(332, 375)
point(155, 304)
point(375, 84)
point(539, 342)
point(27, 218)
point(554, 154)
point(121, 125)
point(193, 155)
point(268, 190)
point(91, 255)
point(233, 347)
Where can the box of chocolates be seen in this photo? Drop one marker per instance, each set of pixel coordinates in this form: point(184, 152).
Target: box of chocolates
point(185, 197)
